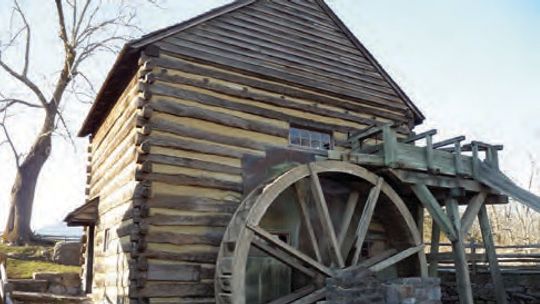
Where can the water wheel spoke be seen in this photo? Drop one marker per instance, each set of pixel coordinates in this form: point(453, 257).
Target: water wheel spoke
point(352, 201)
point(324, 215)
point(396, 258)
point(295, 295)
point(289, 250)
point(312, 298)
point(366, 264)
point(365, 219)
point(301, 197)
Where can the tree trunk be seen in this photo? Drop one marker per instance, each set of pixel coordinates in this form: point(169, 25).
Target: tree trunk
point(17, 230)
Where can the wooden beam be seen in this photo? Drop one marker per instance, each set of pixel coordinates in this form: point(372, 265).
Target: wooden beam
point(485, 228)
point(434, 249)
point(419, 136)
point(396, 258)
point(472, 210)
point(365, 219)
point(448, 142)
point(293, 252)
point(390, 146)
point(352, 201)
point(301, 196)
point(463, 279)
point(430, 203)
point(324, 214)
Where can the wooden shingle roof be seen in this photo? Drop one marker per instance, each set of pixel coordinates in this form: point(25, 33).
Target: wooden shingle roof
point(301, 42)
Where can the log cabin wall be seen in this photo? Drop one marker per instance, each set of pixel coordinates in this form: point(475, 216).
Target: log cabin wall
point(112, 168)
point(215, 96)
point(166, 161)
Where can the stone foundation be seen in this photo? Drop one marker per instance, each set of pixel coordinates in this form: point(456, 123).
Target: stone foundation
point(413, 290)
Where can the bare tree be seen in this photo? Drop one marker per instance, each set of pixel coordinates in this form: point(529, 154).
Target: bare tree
point(85, 27)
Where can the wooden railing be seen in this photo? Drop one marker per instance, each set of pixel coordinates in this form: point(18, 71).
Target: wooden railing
point(5, 287)
point(514, 258)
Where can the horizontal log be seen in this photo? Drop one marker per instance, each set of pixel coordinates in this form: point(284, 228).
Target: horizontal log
point(217, 220)
point(356, 105)
point(186, 162)
point(192, 256)
point(172, 272)
point(183, 179)
point(177, 109)
point(166, 289)
point(192, 203)
point(164, 90)
point(184, 130)
point(208, 238)
point(280, 102)
point(186, 144)
point(222, 59)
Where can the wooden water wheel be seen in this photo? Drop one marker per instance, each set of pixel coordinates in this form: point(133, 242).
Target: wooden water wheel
point(311, 224)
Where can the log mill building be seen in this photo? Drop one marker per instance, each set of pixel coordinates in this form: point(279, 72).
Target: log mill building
point(238, 157)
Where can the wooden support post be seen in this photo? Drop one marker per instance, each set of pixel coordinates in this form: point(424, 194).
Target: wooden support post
point(390, 146)
point(434, 251)
point(458, 162)
point(475, 160)
point(463, 279)
point(420, 220)
point(437, 213)
point(485, 228)
point(429, 153)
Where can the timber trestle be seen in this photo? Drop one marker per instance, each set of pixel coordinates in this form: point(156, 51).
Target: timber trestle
point(444, 174)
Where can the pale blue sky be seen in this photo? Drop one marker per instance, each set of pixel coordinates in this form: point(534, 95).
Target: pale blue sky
point(472, 67)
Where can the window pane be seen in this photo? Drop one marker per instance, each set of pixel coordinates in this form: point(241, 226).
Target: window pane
point(310, 139)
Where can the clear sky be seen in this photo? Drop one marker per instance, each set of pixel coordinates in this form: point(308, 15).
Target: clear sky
point(472, 67)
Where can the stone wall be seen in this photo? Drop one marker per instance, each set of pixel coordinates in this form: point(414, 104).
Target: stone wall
point(413, 290)
point(520, 288)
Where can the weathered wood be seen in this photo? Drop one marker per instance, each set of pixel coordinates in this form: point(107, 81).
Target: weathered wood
point(293, 252)
point(301, 197)
point(352, 105)
point(168, 289)
point(209, 238)
point(352, 201)
point(218, 220)
point(485, 228)
point(430, 203)
point(183, 179)
point(192, 203)
point(324, 216)
point(471, 212)
point(177, 109)
point(172, 272)
point(365, 219)
point(434, 249)
point(460, 259)
point(390, 146)
point(396, 258)
point(164, 90)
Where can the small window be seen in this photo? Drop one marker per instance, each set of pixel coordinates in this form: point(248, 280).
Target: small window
point(106, 237)
point(310, 139)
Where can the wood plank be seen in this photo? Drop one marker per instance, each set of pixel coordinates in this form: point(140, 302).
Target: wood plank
point(192, 203)
point(396, 258)
point(267, 236)
point(460, 259)
point(434, 249)
point(172, 272)
point(223, 59)
point(165, 106)
point(324, 215)
point(165, 90)
point(352, 202)
point(301, 198)
point(430, 203)
point(209, 238)
point(200, 181)
point(211, 220)
point(498, 283)
point(248, 94)
point(188, 162)
point(169, 61)
point(471, 212)
point(283, 257)
point(365, 219)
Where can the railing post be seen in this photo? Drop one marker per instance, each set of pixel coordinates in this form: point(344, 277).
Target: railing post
point(390, 146)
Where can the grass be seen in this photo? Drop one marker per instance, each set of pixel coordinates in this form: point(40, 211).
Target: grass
point(23, 261)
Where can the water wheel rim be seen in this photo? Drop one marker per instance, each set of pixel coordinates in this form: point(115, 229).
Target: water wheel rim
point(244, 229)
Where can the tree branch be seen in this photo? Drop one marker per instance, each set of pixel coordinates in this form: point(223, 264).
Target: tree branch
point(27, 46)
point(16, 154)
